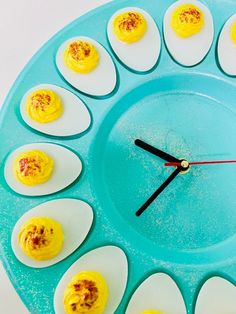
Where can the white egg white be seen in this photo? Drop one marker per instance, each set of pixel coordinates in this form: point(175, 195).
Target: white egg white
point(158, 292)
point(227, 48)
point(99, 82)
point(75, 217)
point(142, 55)
point(192, 50)
point(67, 168)
point(75, 118)
point(111, 262)
point(217, 296)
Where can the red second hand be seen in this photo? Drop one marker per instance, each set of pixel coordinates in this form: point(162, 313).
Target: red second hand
point(177, 164)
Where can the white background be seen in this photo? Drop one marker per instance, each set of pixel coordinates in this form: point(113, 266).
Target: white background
point(24, 26)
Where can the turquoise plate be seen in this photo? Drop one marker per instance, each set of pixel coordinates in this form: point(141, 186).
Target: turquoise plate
point(189, 232)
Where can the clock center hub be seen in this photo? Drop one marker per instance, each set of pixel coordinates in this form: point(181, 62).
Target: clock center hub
point(185, 166)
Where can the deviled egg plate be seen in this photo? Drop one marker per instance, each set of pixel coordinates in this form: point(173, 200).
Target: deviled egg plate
point(114, 67)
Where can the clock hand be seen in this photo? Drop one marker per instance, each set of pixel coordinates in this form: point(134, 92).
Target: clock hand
point(155, 151)
point(158, 191)
point(177, 164)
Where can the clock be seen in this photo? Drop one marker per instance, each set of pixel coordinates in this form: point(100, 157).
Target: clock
point(178, 219)
point(190, 213)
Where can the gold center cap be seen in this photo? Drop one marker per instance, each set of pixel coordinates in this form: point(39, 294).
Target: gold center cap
point(185, 164)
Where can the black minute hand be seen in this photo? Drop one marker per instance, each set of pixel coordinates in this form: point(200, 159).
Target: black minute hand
point(158, 191)
point(155, 151)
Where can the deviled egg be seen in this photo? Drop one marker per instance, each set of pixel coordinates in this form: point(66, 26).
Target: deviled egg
point(99, 276)
point(227, 46)
point(51, 231)
point(135, 38)
point(188, 31)
point(216, 296)
point(158, 294)
point(87, 66)
point(41, 169)
point(54, 110)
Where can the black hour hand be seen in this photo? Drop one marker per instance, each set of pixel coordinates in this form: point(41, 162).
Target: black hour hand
point(158, 191)
point(155, 151)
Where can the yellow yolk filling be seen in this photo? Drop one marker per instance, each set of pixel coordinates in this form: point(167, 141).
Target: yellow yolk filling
point(233, 33)
point(187, 20)
point(41, 238)
point(87, 292)
point(151, 312)
point(81, 56)
point(44, 106)
point(129, 27)
point(33, 167)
